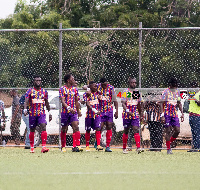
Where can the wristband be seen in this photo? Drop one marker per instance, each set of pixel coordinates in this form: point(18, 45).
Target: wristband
point(25, 110)
point(88, 89)
point(162, 115)
point(127, 110)
point(94, 110)
point(68, 107)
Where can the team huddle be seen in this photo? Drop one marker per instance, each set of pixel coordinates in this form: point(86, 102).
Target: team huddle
point(99, 99)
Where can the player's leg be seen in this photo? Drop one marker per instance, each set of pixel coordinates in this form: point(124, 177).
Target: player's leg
point(64, 128)
point(135, 123)
point(97, 126)
point(168, 124)
point(88, 124)
point(32, 126)
point(176, 126)
point(126, 125)
point(108, 136)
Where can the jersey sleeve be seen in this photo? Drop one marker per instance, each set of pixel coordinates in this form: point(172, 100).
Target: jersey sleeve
point(164, 95)
point(28, 92)
point(61, 92)
point(46, 95)
point(84, 97)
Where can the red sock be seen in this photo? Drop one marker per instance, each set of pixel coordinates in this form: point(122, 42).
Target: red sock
point(98, 137)
point(78, 138)
point(137, 139)
point(44, 138)
point(74, 140)
point(31, 137)
point(87, 138)
point(172, 139)
point(108, 137)
point(168, 145)
point(124, 138)
point(63, 138)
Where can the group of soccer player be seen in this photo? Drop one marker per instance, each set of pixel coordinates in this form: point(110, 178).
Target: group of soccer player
point(99, 99)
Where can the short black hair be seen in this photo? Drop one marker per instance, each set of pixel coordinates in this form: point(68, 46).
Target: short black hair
point(36, 76)
point(130, 78)
point(67, 77)
point(173, 82)
point(91, 82)
point(103, 79)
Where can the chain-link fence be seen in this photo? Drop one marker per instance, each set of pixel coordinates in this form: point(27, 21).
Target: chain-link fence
point(150, 55)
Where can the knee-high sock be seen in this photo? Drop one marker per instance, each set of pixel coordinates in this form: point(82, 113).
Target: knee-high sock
point(87, 138)
point(137, 139)
point(98, 137)
point(78, 138)
point(63, 138)
point(44, 138)
point(31, 137)
point(74, 140)
point(124, 138)
point(168, 144)
point(172, 139)
point(108, 137)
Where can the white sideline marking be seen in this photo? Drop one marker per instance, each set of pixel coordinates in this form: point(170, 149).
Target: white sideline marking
point(102, 173)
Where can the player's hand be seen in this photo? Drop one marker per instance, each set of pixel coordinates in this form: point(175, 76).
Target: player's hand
point(130, 113)
point(116, 115)
point(182, 117)
point(162, 120)
point(82, 102)
point(25, 112)
point(50, 117)
point(79, 114)
point(72, 111)
point(98, 113)
point(100, 97)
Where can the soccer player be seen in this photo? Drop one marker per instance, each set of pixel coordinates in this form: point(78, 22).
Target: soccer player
point(36, 98)
point(170, 100)
point(132, 114)
point(107, 96)
point(92, 119)
point(70, 111)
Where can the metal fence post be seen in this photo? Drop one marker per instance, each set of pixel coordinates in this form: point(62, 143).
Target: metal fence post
point(60, 77)
point(140, 53)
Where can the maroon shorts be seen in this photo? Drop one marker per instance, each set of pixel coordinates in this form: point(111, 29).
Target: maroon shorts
point(92, 123)
point(37, 120)
point(68, 118)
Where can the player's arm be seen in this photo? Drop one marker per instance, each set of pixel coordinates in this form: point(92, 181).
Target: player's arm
point(114, 98)
point(140, 107)
point(48, 108)
point(78, 106)
point(125, 108)
point(181, 109)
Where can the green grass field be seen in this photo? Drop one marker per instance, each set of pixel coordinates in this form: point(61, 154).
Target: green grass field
point(98, 170)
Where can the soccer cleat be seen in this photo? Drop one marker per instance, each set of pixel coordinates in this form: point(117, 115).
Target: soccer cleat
point(80, 149)
point(125, 151)
point(32, 150)
point(63, 149)
point(95, 145)
point(108, 149)
point(44, 149)
point(75, 149)
point(87, 149)
point(169, 151)
point(99, 148)
point(139, 150)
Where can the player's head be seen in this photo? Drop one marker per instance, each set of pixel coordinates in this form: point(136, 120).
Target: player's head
point(68, 78)
point(132, 82)
point(37, 81)
point(103, 82)
point(75, 83)
point(13, 92)
point(173, 83)
point(93, 86)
